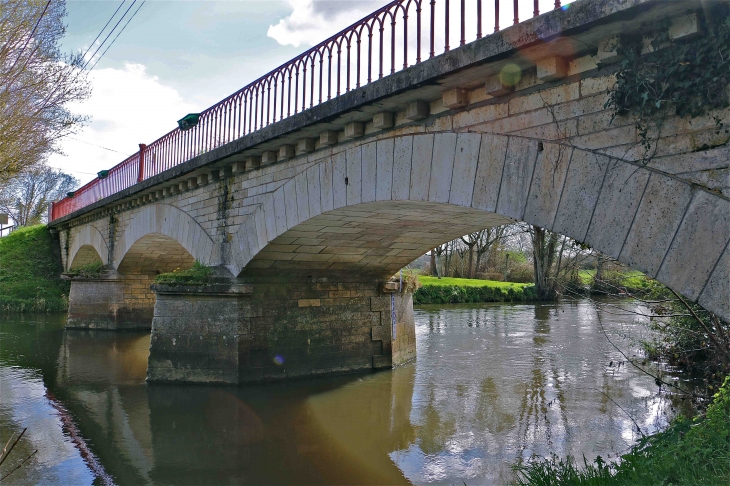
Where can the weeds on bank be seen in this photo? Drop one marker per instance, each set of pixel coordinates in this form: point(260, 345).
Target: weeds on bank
point(92, 270)
point(693, 452)
point(198, 274)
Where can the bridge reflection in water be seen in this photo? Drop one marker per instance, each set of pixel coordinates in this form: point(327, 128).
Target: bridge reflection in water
point(493, 385)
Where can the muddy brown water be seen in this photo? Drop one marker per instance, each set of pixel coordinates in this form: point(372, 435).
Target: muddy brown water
point(493, 385)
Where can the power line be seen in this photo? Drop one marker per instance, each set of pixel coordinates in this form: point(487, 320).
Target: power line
point(94, 145)
point(103, 29)
point(110, 33)
point(30, 36)
point(120, 33)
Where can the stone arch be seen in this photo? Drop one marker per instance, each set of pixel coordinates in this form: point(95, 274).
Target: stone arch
point(87, 246)
point(168, 227)
point(645, 218)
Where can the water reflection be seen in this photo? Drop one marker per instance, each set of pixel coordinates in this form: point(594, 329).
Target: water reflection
point(493, 385)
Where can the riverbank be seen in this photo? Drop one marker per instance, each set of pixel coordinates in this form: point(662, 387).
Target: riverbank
point(447, 290)
point(689, 452)
point(30, 269)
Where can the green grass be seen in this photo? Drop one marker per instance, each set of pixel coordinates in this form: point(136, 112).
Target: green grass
point(695, 452)
point(467, 282)
point(30, 272)
point(449, 290)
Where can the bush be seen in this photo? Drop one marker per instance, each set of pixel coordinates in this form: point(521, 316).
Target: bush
point(495, 276)
point(452, 294)
point(198, 274)
point(92, 270)
point(522, 273)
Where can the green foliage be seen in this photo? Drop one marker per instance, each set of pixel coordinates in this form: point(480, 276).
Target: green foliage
point(693, 452)
point(91, 270)
point(462, 290)
point(30, 270)
point(687, 77)
point(198, 274)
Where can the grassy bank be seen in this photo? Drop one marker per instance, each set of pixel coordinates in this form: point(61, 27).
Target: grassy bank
point(695, 452)
point(30, 269)
point(449, 290)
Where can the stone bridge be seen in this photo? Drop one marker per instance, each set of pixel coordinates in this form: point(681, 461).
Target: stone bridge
point(305, 221)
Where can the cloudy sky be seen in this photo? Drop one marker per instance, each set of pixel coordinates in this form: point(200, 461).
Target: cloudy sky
point(178, 57)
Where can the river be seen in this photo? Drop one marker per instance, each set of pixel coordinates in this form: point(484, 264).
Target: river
point(493, 385)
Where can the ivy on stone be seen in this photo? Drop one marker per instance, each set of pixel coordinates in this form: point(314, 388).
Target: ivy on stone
point(687, 78)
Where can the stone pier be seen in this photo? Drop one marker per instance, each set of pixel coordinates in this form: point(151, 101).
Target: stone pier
point(270, 330)
point(114, 301)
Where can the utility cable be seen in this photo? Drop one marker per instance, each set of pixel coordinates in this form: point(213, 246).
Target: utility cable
point(103, 29)
point(120, 33)
point(94, 145)
point(30, 36)
point(110, 33)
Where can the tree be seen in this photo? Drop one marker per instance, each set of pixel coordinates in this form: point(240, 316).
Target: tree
point(26, 197)
point(37, 82)
point(544, 251)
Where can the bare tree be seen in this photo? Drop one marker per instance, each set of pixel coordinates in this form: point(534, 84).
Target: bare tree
point(37, 82)
point(26, 196)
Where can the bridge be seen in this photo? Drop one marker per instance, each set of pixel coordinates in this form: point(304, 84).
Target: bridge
point(308, 189)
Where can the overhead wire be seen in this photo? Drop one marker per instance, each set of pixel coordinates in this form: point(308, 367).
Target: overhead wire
point(30, 36)
point(110, 33)
point(103, 29)
point(120, 33)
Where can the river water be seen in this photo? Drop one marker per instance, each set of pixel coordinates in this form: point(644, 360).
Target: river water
point(493, 385)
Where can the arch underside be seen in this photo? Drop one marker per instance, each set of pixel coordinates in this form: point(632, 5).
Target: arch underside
point(85, 255)
point(370, 240)
point(155, 253)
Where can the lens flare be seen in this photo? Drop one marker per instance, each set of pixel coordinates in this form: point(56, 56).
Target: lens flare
point(279, 360)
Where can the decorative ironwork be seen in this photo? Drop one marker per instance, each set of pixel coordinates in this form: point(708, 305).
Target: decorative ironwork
point(387, 40)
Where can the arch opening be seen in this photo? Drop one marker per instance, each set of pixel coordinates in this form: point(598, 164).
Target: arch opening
point(153, 254)
point(86, 255)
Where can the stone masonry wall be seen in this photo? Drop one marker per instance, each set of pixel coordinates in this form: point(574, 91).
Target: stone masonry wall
point(278, 330)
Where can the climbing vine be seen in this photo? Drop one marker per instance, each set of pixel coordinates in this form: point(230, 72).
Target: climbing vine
point(687, 78)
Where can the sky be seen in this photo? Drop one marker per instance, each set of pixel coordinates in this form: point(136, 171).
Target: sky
point(180, 57)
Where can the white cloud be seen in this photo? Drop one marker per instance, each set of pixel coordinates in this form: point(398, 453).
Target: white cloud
point(128, 107)
point(312, 21)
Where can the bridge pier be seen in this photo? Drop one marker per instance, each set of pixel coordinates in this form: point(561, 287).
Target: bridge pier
point(269, 330)
point(114, 302)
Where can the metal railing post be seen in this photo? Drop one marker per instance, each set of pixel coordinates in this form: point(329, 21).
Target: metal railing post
point(140, 175)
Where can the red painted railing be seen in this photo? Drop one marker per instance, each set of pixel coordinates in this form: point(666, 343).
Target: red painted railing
point(382, 43)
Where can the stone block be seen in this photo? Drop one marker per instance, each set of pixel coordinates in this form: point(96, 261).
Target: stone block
point(238, 167)
point(383, 120)
point(547, 185)
point(495, 86)
point(492, 154)
point(183, 186)
point(354, 130)
point(607, 52)
point(660, 212)
point(552, 68)
point(309, 302)
point(421, 167)
point(268, 157)
point(455, 98)
point(380, 362)
point(353, 176)
point(685, 27)
point(417, 110)
point(369, 172)
point(253, 162)
point(286, 152)
point(619, 200)
point(580, 194)
point(465, 166)
point(402, 155)
point(384, 169)
point(442, 167)
point(328, 137)
point(305, 146)
point(716, 295)
point(339, 173)
point(516, 177)
point(700, 241)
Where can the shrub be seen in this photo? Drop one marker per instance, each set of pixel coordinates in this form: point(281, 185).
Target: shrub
point(198, 274)
point(92, 270)
point(452, 294)
point(495, 276)
point(522, 273)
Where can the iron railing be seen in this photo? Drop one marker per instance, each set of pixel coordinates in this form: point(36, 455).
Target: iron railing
point(386, 41)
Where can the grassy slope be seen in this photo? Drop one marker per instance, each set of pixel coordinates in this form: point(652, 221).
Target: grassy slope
point(467, 282)
point(30, 270)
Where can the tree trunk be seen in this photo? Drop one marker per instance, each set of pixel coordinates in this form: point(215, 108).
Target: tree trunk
point(471, 261)
point(434, 270)
point(543, 252)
